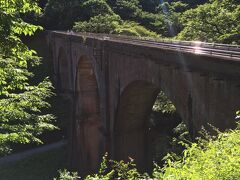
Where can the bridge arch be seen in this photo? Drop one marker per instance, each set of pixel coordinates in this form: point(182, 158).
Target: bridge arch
point(120, 62)
point(134, 106)
point(64, 69)
point(130, 127)
point(87, 126)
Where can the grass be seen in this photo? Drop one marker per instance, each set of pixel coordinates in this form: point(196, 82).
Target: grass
point(42, 166)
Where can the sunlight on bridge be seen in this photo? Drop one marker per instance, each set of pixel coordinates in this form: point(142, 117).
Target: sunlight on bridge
point(197, 50)
point(197, 47)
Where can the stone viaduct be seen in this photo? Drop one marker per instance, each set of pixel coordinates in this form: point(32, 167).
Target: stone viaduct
point(112, 83)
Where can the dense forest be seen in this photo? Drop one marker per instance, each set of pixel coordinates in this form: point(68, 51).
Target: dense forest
point(204, 20)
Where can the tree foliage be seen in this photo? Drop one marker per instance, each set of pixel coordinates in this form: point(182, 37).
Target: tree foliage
point(99, 24)
point(210, 158)
point(21, 120)
point(191, 3)
point(61, 14)
point(150, 5)
point(126, 9)
point(211, 21)
point(238, 115)
point(113, 24)
point(216, 21)
point(163, 104)
point(131, 28)
point(93, 8)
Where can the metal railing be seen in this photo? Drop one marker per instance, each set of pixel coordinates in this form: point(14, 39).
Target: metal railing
point(196, 47)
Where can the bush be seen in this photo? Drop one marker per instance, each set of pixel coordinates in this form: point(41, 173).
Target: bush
point(109, 170)
point(99, 24)
point(66, 175)
point(212, 157)
point(112, 24)
point(131, 28)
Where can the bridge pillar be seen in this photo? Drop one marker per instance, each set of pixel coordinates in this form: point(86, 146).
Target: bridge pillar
point(87, 136)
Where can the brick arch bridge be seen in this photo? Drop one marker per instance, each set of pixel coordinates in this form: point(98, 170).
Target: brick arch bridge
point(112, 83)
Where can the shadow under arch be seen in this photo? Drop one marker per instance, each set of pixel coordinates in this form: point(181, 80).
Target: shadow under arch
point(86, 126)
point(131, 125)
point(63, 79)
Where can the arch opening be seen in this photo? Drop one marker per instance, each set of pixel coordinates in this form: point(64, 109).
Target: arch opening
point(164, 125)
point(87, 135)
point(138, 122)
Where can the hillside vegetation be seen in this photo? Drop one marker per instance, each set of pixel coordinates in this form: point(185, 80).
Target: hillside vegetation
point(210, 158)
point(203, 20)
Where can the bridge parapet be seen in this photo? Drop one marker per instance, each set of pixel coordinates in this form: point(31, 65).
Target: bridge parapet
point(197, 47)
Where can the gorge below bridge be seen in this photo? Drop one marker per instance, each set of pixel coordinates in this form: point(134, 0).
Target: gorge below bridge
point(112, 83)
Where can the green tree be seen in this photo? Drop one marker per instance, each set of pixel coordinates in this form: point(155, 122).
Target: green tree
point(132, 11)
point(170, 13)
point(99, 24)
point(216, 21)
point(192, 3)
point(21, 120)
point(61, 14)
point(210, 158)
point(131, 28)
point(112, 24)
point(93, 8)
point(149, 5)
point(127, 9)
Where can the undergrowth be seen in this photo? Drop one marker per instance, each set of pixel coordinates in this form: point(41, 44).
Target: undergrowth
point(210, 157)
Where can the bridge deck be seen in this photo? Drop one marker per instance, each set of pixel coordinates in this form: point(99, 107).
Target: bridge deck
point(226, 51)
